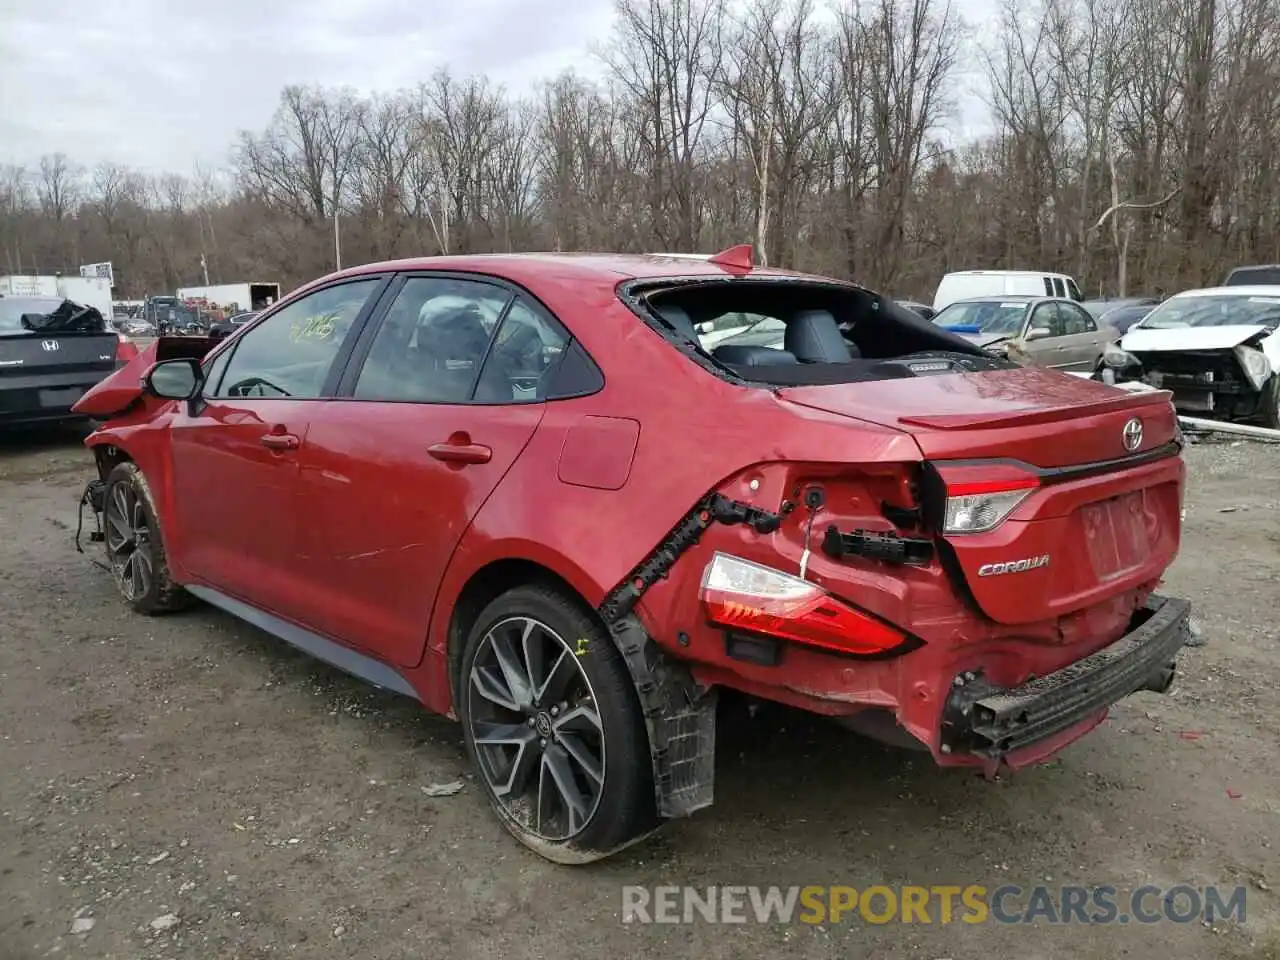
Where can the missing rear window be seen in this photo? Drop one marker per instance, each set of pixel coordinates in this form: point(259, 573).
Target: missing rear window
point(789, 332)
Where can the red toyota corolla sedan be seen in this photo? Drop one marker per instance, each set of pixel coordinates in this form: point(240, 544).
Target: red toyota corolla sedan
point(519, 490)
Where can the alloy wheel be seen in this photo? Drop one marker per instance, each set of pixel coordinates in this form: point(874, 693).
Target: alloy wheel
point(128, 541)
point(536, 728)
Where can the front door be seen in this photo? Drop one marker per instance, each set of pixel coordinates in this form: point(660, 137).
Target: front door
point(236, 453)
point(1043, 340)
point(399, 467)
point(1085, 342)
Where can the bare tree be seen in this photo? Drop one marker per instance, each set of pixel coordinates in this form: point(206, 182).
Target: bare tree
point(666, 56)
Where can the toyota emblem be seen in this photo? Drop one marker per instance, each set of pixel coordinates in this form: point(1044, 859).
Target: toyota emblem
point(49, 345)
point(1132, 434)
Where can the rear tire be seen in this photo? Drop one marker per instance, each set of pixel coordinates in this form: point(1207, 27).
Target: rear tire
point(134, 545)
point(552, 722)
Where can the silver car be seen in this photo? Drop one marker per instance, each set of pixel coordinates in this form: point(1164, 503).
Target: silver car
point(1041, 331)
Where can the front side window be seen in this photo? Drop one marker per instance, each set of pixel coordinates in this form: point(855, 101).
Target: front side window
point(291, 353)
point(432, 341)
point(1046, 321)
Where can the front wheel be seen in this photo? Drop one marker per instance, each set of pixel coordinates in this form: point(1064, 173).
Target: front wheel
point(553, 725)
point(135, 550)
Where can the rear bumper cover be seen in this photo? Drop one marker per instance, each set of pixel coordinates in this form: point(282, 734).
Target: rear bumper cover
point(34, 398)
point(995, 723)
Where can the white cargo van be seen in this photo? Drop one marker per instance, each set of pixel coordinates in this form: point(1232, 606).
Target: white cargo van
point(967, 284)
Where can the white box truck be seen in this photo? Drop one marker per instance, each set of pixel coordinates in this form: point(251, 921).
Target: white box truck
point(86, 291)
point(241, 296)
point(20, 286)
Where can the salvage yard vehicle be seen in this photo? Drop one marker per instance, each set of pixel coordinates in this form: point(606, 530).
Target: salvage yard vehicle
point(1259, 275)
point(1044, 331)
point(51, 351)
point(545, 510)
point(1120, 314)
point(1216, 349)
point(224, 328)
point(971, 284)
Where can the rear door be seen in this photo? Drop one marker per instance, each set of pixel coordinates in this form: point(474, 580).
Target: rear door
point(235, 457)
point(440, 400)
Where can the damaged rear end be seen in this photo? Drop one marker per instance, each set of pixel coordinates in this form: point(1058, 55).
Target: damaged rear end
point(988, 588)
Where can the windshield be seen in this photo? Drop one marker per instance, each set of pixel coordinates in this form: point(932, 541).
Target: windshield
point(989, 316)
point(12, 309)
point(1214, 310)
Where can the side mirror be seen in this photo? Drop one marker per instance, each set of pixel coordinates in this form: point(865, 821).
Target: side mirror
point(178, 379)
point(1038, 333)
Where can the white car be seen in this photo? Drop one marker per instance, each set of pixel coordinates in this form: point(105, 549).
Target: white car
point(1217, 349)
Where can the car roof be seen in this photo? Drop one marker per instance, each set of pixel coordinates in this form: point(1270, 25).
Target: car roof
point(1007, 273)
point(1240, 290)
point(993, 298)
point(599, 269)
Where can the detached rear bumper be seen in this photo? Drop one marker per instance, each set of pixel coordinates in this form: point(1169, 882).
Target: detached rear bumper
point(1022, 725)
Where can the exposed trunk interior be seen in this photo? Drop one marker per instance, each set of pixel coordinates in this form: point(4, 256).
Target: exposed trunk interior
point(804, 332)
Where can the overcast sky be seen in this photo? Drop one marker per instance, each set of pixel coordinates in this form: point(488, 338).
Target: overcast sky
point(166, 84)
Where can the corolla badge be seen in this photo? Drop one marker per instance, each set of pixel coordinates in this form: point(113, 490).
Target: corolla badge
point(1132, 434)
point(1013, 566)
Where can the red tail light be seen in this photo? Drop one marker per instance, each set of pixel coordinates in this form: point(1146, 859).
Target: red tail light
point(980, 497)
point(740, 595)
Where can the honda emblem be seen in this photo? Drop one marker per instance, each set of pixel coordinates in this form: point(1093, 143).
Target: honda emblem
point(49, 345)
point(1132, 434)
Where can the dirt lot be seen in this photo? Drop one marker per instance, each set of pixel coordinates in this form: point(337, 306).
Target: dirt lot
point(193, 769)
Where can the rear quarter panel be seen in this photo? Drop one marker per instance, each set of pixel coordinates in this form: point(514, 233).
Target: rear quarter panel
point(695, 432)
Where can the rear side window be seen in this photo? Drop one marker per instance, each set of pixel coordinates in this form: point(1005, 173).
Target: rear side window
point(432, 341)
point(523, 357)
point(1048, 286)
point(1075, 320)
point(1058, 289)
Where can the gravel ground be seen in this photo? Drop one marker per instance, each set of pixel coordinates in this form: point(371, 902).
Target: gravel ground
point(188, 787)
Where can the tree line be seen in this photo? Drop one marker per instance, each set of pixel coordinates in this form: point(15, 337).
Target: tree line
point(1133, 144)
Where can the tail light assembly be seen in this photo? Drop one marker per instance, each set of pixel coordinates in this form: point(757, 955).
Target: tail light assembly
point(978, 498)
point(741, 596)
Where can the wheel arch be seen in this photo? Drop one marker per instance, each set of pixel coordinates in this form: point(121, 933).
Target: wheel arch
point(486, 584)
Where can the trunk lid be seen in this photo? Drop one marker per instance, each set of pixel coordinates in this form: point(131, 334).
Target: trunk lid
point(1101, 521)
point(34, 353)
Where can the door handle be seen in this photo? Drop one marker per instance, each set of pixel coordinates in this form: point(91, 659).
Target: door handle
point(280, 441)
point(461, 450)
